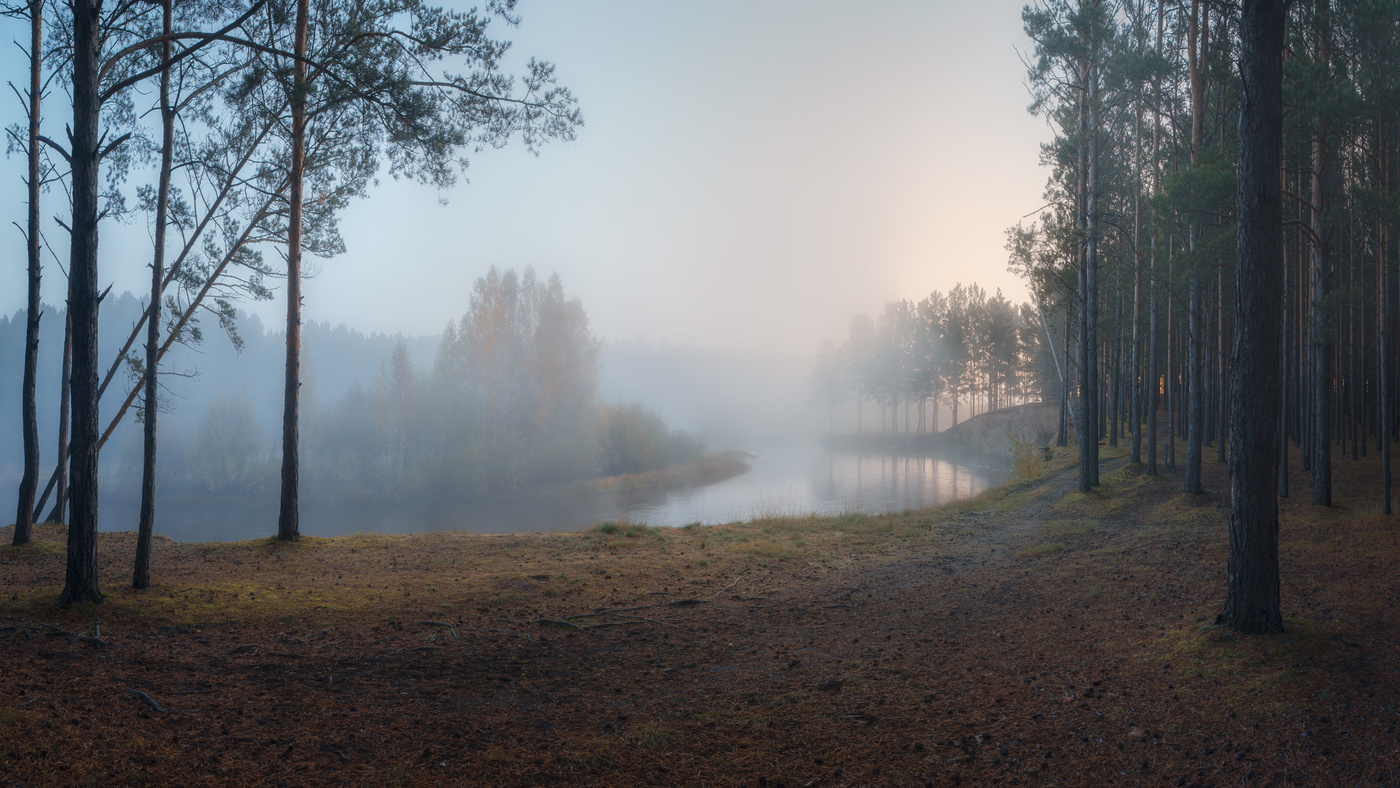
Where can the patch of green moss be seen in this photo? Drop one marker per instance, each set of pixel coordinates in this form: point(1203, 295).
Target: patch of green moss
point(1040, 548)
point(34, 549)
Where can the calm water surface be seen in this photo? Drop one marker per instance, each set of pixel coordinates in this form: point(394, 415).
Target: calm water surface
point(786, 478)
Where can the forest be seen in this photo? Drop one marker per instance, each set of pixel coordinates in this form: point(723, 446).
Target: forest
point(269, 122)
point(1137, 244)
point(951, 349)
point(1143, 243)
point(1134, 252)
point(1211, 312)
point(389, 417)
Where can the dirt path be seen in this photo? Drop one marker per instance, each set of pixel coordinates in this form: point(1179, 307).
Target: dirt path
point(1031, 637)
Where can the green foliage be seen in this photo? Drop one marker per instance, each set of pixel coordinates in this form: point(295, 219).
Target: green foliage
point(624, 528)
point(1040, 548)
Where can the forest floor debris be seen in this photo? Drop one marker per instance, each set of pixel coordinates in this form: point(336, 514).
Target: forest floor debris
point(1031, 636)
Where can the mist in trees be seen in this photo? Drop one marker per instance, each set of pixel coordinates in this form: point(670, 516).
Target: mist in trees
point(267, 108)
point(504, 402)
point(962, 351)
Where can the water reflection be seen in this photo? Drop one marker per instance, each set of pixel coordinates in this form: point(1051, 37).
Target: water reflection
point(789, 478)
point(877, 483)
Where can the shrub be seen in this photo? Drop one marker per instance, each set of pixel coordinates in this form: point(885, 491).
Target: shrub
point(636, 440)
point(1027, 460)
point(624, 528)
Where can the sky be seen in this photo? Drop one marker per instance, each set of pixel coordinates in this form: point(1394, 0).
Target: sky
point(750, 175)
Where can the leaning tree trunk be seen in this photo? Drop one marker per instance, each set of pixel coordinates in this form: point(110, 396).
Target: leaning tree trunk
point(80, 580)
point(1062, 437)
point(141, 573)
point(60, 474)
point(1252, 595)
point(29, 480)
point(288, 523)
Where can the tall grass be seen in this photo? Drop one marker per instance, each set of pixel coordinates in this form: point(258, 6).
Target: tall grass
point(1027, 459)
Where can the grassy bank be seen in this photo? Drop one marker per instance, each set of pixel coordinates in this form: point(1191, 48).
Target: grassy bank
point(710, 467)
point(989, 436)
point(1031, 636)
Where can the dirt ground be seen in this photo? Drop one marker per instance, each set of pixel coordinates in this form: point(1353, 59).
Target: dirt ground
point(1033, 636)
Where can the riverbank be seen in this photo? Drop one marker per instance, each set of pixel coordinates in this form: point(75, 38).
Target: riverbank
point(565, 506)
point(1030, 636)
point(990, 436)
point(711, 467)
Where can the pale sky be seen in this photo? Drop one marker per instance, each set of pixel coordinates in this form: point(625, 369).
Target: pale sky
point(751, 174)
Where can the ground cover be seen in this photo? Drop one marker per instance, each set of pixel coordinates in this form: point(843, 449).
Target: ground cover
point(1032, 636)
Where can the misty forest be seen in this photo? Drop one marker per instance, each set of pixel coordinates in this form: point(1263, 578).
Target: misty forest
point(1089, 483)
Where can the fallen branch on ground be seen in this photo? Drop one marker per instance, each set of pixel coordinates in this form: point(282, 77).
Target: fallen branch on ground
point(146, 699)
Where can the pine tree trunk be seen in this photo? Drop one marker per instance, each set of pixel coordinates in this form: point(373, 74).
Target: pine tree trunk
point(1383, 322)
point(1353, 340)
point(288, 522)
point(1115, 374)
point(1135, 377)
point(141, 573)
point(1091, 271)
point(1195, 397)
point(1221, 378)
point(80, 579)
point(1154, 393)
point(1252, 594)
point(29, 479)
point(1195, 426)
point(1086, 411)
point(1285, 353)
point(1300, 344)
point(1172, 396)
point(1321, 371)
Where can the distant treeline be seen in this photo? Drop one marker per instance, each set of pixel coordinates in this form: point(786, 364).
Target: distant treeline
point(951, 349)
point(508, 400)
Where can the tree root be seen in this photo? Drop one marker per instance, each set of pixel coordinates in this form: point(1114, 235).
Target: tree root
point(146, 699)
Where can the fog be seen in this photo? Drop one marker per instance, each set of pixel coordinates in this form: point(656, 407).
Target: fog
point(748, 178)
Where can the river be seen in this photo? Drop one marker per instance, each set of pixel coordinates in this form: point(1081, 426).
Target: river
point(786, 478)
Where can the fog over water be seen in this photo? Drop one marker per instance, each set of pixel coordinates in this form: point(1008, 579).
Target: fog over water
point(749, 177)
point(224, 491)
point(792, 477)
